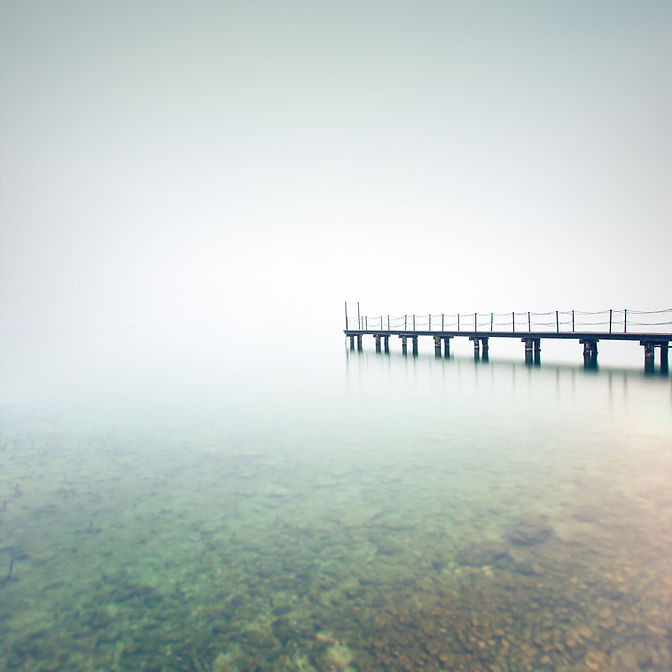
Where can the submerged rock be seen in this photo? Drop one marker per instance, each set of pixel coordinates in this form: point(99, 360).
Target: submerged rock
point(530, 530)
point(359, 518)
point(481, 553)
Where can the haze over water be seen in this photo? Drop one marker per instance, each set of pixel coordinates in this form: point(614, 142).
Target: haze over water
point(295, 505)
point(195, 474)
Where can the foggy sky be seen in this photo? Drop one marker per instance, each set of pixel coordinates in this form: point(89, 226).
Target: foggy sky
point(181, 163)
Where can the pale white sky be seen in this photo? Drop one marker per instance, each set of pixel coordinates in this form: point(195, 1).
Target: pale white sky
point(179, 163)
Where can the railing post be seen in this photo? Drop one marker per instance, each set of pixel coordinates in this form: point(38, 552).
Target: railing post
point(611, 310)
point(475, 322)
point(513, 321)
point(458, 321)
point(430, 321)
point(388, 322)
point(572, 320)
point(413, 322)
point(359, 319)
point(366, 323)
point(492, 320)
point(625, 321)
point(529, 324)
point(557, 322)
point(346, 315)
point(381, 322)
point(405, 322)
point(442, 329)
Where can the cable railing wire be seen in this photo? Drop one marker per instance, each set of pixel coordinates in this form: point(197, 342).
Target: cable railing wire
point(566, 321)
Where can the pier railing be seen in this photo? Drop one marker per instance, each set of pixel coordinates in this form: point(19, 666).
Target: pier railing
point(609, 321)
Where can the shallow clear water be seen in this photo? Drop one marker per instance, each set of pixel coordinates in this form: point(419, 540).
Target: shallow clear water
point(286, 504)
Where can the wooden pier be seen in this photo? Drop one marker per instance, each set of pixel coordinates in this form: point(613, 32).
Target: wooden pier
point(529, 327)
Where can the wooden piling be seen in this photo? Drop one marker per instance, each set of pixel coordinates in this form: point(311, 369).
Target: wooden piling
point(649, 353)
point(446, 347)
point(437, 346)
point(477, 348)
point(589, 353)
point(664, 361)
point(415, 345)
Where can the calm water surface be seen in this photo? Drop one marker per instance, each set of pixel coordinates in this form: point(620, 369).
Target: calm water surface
point(275, 507)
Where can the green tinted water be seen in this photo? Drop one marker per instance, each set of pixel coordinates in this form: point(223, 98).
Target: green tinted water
point(340, 511)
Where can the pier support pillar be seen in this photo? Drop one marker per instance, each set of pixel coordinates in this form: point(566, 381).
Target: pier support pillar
point(352, 342)
point(649, 353)
point(528, 350)
point(404, 345)
point(589, 353)
point(377, 337)
point(664, 361)
point(437, 346)
point(386, 340)
point(446, 347)
point(477, 347)
point(485, 349)
point(359, 342)
point(415, 345)
point(537, 351)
